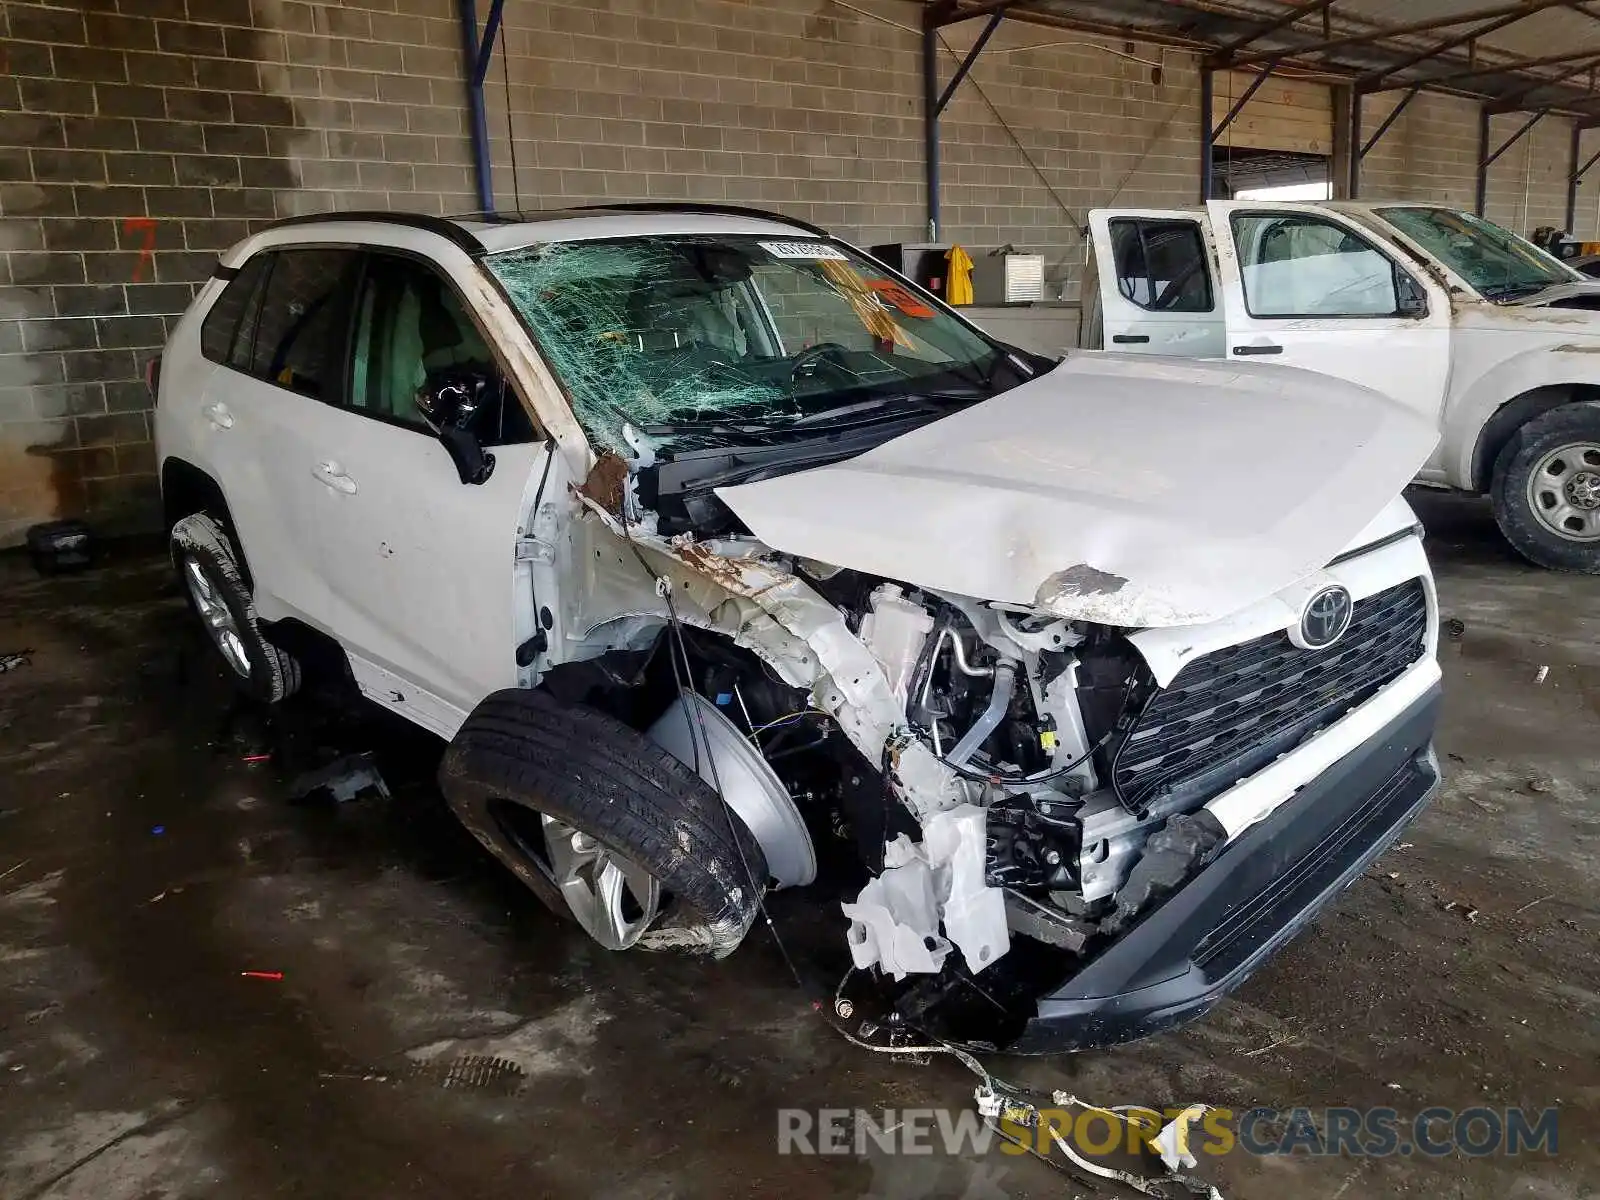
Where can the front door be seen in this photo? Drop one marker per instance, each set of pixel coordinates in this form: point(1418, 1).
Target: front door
point(1152, 277)
point(427, 594)
point(1307, 287)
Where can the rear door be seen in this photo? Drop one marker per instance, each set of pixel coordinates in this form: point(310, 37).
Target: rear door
point(426, 590)
point(1155, 282)
point(1308, 287)
point(281, 357)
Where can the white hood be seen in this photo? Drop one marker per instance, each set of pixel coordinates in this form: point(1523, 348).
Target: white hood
point(1118, 489)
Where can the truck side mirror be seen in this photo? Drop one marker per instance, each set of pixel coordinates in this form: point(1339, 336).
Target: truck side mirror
point(1410, 298)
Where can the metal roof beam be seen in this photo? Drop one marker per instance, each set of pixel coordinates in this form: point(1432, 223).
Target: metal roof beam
point(1306, 9)
point(1511, 102)
point(1511, 65)
point(1391, 31)
point(1373, 80)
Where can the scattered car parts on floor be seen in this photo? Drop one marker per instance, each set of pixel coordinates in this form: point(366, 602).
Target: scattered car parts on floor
point(712, 545)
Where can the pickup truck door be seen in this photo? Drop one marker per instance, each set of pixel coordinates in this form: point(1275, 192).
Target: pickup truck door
point(1151, 272)
point(1308, 287)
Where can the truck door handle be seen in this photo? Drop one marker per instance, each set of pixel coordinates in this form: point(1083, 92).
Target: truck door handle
point(1264, 348)
point(217, 413)
point(1125, 339)
point(332, 474)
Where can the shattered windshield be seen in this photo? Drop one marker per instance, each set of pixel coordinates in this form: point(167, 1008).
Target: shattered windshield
point(1496, 262)
point(707, 335)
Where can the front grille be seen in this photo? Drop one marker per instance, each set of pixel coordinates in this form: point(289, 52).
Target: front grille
point(1229, 713)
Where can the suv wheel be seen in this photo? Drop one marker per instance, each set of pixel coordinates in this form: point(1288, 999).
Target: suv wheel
point(210, 576)
point(1546, 489)
point(607, 828)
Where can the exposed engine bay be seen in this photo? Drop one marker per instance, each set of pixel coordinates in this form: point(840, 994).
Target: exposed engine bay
point(958, 748)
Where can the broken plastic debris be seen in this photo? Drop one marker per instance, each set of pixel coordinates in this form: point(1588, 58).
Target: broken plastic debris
point(1172, 1143)
point(10, 662)
point(344, 778)
point(257, 758)
point(1543, 674)
point(275, 976)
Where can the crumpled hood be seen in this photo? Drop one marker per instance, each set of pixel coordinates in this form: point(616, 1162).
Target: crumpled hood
point(1118, 489)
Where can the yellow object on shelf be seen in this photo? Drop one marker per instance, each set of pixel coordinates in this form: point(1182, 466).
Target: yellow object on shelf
point(958, 286)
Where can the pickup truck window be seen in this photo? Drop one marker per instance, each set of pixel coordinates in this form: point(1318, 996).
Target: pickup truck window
point(1300, 265)
point(1495, 261)
point(1161, 265)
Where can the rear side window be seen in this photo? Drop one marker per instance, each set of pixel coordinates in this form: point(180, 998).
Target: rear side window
point(1161, 265)
point(300, 336)
point(229, 328)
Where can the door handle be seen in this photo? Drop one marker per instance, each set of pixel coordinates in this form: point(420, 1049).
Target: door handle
point(217, 413)
point(1263, 348)
point(332, 474)
point(1125, 339)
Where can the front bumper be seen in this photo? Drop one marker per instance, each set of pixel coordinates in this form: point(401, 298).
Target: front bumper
point(1264, 887)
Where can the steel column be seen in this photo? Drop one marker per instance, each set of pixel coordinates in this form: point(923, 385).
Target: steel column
point(476, 59)
point(1486, 159)
point(1207, 140)
point(930, 123)
point(1353, 183)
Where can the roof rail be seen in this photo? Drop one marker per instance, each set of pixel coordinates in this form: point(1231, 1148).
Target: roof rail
point(442, 226)
point(691, 206)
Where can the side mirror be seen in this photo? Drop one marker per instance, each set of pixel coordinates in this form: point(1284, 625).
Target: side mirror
point(1410, 298)
point(449, 402)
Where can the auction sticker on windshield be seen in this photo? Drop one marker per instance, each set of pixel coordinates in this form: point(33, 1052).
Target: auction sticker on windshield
point(811, 250)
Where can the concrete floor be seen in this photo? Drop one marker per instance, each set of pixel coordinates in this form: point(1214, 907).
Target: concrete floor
point(144, 863)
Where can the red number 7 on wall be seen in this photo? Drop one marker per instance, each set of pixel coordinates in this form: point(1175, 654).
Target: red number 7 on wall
point(147, 226)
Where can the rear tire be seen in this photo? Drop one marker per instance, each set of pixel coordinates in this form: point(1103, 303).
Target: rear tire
point(1546, 489)
point(523, 758)
point(216, 592)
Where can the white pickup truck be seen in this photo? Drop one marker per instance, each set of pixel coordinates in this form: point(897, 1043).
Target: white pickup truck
point(1453, 316)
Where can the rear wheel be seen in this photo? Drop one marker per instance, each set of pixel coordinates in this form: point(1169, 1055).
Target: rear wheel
point(1546, 489)
point(603, 825)
point(211, 580)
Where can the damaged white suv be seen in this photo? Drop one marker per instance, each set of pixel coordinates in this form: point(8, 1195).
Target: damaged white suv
point(709, 543)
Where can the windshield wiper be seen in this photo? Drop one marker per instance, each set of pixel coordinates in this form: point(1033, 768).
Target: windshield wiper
point(1515, 291)
point(844, 415)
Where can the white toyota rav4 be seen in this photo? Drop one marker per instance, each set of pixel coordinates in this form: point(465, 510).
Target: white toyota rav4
point(708, 542)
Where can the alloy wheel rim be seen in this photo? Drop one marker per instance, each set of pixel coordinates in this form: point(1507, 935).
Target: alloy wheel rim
point(217, 617)
point(613, 898)
point(1564, 491)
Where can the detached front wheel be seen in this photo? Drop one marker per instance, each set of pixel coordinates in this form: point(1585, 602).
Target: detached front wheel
point(1546, 489)
point(604, 826)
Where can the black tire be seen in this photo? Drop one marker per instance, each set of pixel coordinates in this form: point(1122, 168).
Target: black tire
point(525, 748)
point(1524, 528)
point(272, 674)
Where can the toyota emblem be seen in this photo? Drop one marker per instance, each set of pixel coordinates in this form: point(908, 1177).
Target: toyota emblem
point(1324, 618)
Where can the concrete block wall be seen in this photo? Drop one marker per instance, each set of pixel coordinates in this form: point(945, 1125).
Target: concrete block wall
point(140, 137)
point(816, 109)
